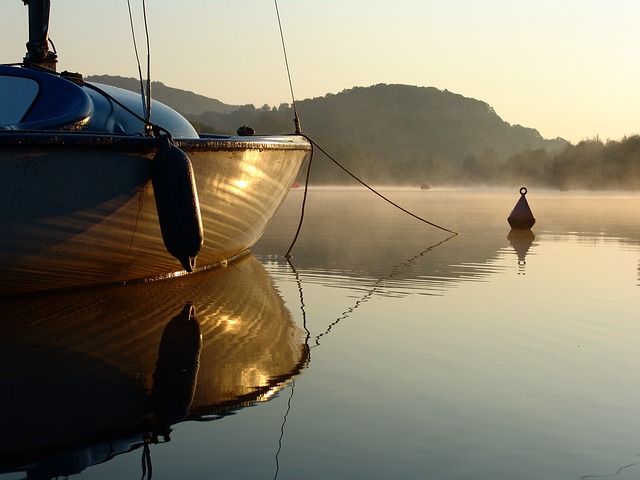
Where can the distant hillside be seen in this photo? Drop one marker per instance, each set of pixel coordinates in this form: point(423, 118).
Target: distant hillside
point(396, 133)
point(187, 103)
point(399, 134)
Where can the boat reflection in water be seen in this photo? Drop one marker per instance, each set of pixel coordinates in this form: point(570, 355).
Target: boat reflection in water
point(92, 374)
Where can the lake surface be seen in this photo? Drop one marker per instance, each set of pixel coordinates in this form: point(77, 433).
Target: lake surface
point(386, 348)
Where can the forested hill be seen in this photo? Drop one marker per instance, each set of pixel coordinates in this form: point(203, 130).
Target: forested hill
point(393, 133)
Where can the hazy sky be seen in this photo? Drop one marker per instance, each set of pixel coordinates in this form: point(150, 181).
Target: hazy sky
point(568, 68)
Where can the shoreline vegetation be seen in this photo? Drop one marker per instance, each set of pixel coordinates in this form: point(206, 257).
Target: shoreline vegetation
point(407, 135)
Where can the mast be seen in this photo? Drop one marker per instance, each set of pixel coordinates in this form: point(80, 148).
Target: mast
point(38, 53)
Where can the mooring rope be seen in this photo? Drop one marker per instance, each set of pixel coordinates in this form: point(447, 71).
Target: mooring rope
point(378, 193)
point(304, 202)
point(306, 189)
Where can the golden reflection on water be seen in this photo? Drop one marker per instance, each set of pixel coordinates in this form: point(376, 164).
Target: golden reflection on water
point(231, 325)
point(87, 367)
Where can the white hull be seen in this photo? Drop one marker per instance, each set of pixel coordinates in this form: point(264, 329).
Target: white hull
point(79, 209)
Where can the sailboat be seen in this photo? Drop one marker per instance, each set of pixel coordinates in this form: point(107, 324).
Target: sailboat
point(99, 187)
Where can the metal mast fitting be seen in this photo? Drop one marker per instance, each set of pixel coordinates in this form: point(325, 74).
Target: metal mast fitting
point(38, 53)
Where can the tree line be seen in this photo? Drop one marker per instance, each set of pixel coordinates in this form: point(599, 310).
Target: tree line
point(590, 164)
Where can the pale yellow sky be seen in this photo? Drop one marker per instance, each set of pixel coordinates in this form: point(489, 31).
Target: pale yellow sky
point(567, 68)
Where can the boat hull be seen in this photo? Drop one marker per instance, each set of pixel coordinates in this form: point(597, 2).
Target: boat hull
point(79, 209)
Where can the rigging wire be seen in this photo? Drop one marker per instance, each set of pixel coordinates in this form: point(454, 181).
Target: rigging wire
point(145, 94)
point(135, 48)
point(296, 119)
point(155, 129)
point(146, 31)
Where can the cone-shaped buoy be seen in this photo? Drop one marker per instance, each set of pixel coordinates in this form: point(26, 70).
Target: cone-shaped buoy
point(521, 216)
point(174, 188)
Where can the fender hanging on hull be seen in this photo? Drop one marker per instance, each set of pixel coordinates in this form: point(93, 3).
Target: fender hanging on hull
point(174, 188)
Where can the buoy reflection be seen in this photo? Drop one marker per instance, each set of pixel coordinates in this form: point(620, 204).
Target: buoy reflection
point(521, 240)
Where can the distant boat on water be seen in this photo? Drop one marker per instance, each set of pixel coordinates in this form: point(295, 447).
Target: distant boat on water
point(101, 186)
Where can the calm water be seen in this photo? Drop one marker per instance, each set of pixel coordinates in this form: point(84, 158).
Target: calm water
point(386, 349)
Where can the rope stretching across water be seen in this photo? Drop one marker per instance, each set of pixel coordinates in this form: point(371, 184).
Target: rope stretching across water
point(306, 187)
point(378, 193)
